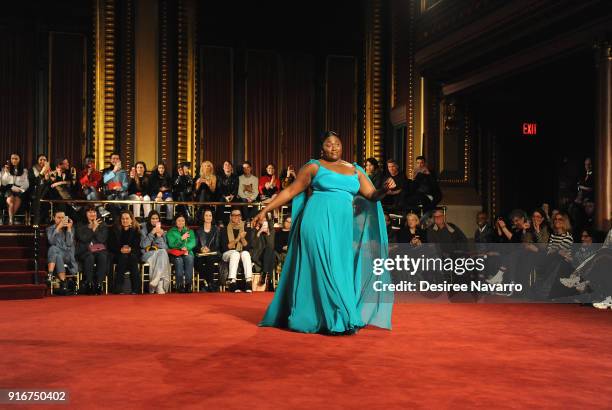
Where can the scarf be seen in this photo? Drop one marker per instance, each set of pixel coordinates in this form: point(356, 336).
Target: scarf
point(230, 233)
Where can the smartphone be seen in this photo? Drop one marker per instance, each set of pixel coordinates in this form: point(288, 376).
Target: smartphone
point(158, 224)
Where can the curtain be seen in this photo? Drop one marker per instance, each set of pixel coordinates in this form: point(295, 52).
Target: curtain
point(67, 101)
point(17, 94)
point(216, 106)
point(341, 103)
point(262, 131)
point(298, 141)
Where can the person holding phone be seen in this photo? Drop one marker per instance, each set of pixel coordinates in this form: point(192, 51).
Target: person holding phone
point(181, 243)
point(60, 236)
point(154, 252)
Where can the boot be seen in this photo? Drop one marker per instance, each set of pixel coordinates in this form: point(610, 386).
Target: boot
point(188, 288)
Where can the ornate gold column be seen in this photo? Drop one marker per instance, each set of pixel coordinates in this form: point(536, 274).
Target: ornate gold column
point(146, 81)
point(186, 93)
point(603, 145)
point(104, 121)
point(373, 105)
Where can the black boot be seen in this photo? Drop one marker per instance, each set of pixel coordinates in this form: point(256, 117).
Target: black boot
point(86, 289)
point(99, 290)
point(188, 288)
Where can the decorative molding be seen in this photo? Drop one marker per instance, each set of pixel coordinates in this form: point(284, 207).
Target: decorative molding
point(104, 81)
point(187, 94)
point(164, 83)
point(128, 85)
point(412, 86)
point(373, 145)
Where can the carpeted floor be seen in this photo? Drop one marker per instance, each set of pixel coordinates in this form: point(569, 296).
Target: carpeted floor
point(205, 351)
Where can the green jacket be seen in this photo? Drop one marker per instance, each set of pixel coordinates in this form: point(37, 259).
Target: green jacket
point(173, 237)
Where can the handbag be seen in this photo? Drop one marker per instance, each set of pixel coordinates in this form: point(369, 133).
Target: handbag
point(176, 252)
point(96, 247)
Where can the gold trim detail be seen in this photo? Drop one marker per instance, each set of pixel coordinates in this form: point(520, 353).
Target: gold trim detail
point(373, 142)
point(186, 51)
point(104, 81)
point(164, 81)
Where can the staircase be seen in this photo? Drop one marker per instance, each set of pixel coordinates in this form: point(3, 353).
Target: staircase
point(17, 274)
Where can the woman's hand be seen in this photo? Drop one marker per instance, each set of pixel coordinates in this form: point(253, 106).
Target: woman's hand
point(258, 220)
point(185, 236)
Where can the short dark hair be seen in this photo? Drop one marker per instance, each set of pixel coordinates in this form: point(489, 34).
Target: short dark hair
point(114, 153)
point(421, 157)
point(373, 161)
point(391, 161)
point(247, 163)
point(325, 135)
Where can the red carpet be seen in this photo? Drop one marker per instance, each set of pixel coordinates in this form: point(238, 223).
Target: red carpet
point(17, 274)
point(205, 351)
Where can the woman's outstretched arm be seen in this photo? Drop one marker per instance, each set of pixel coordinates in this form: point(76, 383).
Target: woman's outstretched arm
point(302, 181)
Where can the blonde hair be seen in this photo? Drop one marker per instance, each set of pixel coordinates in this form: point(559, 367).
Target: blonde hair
point(410, 215)
point(567, 226)
point(204, 173)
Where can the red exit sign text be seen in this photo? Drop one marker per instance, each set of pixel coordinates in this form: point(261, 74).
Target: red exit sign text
point(530, 128)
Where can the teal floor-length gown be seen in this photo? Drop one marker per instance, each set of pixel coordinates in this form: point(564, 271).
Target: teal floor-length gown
point(326, 285)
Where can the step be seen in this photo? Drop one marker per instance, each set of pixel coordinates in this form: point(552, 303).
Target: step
point(15, 252)
point(21, 278)
point(22, 292)
point(16, 265)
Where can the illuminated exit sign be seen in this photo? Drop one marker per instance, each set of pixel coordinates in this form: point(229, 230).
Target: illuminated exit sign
point(530, 128)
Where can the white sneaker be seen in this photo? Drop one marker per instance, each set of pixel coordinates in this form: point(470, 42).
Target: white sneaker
point(248, 291)
point(604, 304)
point(498, 278)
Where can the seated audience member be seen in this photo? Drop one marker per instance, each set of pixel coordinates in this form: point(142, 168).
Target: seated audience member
point(154, 252)
point(181, 243)
point(269, 184)
point(269, 187)
point(38, 177)
point(206, 183)
point(412, 233)
point(235, 246)
point(15, 183)
point(586, 184)
point(138, 189)
point(374, 173)
point(448, 235)
point(247, 189)
point(391, 230)
point(62, 180)
point(90, 179)
point(60, 237)
point(182, 188)
point(288, 176)
point(124, 243)
point(425, 190)
point(262, 253)
point(208, 245)
point(539, 226)
point(557, 262)
point(394, 200)
point(516, 233)
point(586, 250)
point(281, 240)
point(228, 189)
point(160, 187)
point(484, 232)
point(115, 180)
point(91, 237)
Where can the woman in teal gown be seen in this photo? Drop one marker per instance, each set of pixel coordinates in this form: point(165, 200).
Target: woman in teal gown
point(327, 281)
